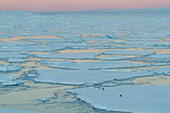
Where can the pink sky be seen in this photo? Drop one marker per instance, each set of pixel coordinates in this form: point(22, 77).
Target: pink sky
point(79, 5)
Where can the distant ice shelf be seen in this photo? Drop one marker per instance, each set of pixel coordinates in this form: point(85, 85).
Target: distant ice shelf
point(137, 98)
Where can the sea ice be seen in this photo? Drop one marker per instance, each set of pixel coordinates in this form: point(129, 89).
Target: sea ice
point(9, 80)
point(112, 58)
point(86, 76)
point(122, 52)
point(81, 56)
point(163, 71)
point(4, 55)
point(138, 99)
point(98, 65)
point(161, 57)
point(8, 68)
point(159, 44)
point(16, 60)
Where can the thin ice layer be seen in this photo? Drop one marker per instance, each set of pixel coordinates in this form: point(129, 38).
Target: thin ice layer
point(138, 99)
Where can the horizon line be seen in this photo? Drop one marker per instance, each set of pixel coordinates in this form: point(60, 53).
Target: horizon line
point(118, 9)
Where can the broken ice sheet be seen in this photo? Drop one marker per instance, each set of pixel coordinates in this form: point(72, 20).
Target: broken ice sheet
point(9, 68)
point(97, 65)
point(86, 76)
point(164, 44)
point(16, 60)
point(123, 52)
point(9, 80)
point(112, 58)
point(72, 56)
point(4, 55)
point(161, 57)
point(138, 99)
point(162, 71)
point(4, 110)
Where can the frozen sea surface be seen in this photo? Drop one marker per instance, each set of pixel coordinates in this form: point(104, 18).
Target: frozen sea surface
point(137, 99)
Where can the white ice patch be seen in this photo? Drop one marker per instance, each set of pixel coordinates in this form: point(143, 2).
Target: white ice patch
point(138, 99)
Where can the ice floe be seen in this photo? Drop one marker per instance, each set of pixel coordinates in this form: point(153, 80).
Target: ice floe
point(138, 99)
point(97, 65)
point(161, 57)
point(162, 71)
point(9, 80)
point(8, 68)
point(4, 55)
point(16, 60)
point(112, 58)
point(121, 52)
point(86, 76)
point(81, 56)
